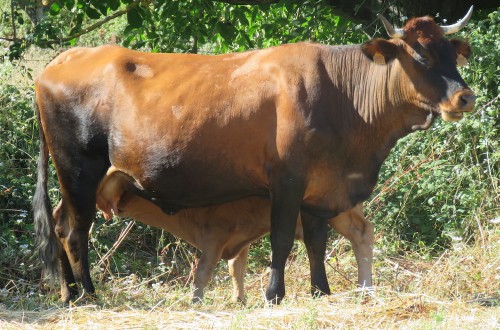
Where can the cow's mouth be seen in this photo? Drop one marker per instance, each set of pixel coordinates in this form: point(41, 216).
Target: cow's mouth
point(454, 108)
point(451, 116)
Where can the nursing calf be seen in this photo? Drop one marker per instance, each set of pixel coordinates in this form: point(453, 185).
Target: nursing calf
point(225, 231)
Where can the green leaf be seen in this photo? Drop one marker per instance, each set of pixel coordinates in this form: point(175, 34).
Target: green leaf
point(134, 18)
point(226, 30)
point(114, 4)
point(248, 41)
point(54, 9)
point(92, 13)
point(75, 29)
point(290, 7)
point(69, 4)
point(102, 6)
point(129, 31)
point(240, 14)
point(128, 40)
point(281, 21)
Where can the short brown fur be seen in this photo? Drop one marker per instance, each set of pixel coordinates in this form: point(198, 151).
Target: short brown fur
point(423, 30)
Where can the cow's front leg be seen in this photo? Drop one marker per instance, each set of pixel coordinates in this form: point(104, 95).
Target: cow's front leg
point(285, 206)
point(315, 237)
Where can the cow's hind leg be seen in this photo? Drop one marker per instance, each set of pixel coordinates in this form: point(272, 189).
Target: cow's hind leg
point(315, 237)
point(69, 289)
point(67, 280)
point(79, 181)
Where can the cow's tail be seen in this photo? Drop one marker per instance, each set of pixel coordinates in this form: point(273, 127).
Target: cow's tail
point(47, 243)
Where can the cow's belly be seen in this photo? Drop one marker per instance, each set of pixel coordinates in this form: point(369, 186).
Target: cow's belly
point(202, 186)
point(193, 183)
point(198, 175)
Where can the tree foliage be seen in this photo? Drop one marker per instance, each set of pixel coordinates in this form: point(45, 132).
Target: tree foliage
point(47, 23)
point(182, 26)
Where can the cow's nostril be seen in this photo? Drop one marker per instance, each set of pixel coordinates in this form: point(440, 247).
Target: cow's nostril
point(468, 100)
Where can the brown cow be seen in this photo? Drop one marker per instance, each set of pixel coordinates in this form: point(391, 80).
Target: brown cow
point(306, 125)
point(225, 231)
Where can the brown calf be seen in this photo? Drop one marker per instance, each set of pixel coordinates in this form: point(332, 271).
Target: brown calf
point(225, 231)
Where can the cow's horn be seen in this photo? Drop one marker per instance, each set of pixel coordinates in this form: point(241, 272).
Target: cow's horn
point(454, 28)
point(391, 31)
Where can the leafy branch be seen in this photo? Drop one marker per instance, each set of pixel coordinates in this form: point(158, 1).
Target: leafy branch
point(97, 24)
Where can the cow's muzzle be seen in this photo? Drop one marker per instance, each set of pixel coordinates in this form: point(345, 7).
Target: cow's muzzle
point(454, 108)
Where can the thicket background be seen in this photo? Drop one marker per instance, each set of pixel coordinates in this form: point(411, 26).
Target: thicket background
point(437, 189)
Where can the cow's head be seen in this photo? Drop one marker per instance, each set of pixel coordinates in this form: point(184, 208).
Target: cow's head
point(428, 62)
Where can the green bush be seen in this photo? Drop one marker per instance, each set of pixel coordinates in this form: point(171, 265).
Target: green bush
point(18, 150)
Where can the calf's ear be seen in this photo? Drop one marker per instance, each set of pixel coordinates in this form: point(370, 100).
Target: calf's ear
point(463, 49)
point(380, 51)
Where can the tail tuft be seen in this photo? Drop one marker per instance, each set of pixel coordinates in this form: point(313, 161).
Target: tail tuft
point(47, 243)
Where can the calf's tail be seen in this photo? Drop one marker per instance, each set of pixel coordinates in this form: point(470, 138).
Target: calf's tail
point(47, 243)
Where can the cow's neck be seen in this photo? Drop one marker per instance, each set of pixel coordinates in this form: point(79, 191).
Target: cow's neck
point(370, 102)
point(368, 110)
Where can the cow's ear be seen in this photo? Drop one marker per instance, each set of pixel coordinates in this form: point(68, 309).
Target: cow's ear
point(380, 51)
point(463, 50)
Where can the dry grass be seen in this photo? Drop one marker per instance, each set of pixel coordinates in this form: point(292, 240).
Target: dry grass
point(343, 310)
point(458, 290)
point(402, 311)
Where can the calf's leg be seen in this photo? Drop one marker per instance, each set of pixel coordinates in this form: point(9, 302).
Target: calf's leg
point(237, 267)
point(210, 256)
point(360, 232)
point(69, 289)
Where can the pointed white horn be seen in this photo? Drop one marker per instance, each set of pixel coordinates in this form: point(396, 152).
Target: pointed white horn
point(454, 28)
point(391, 31)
